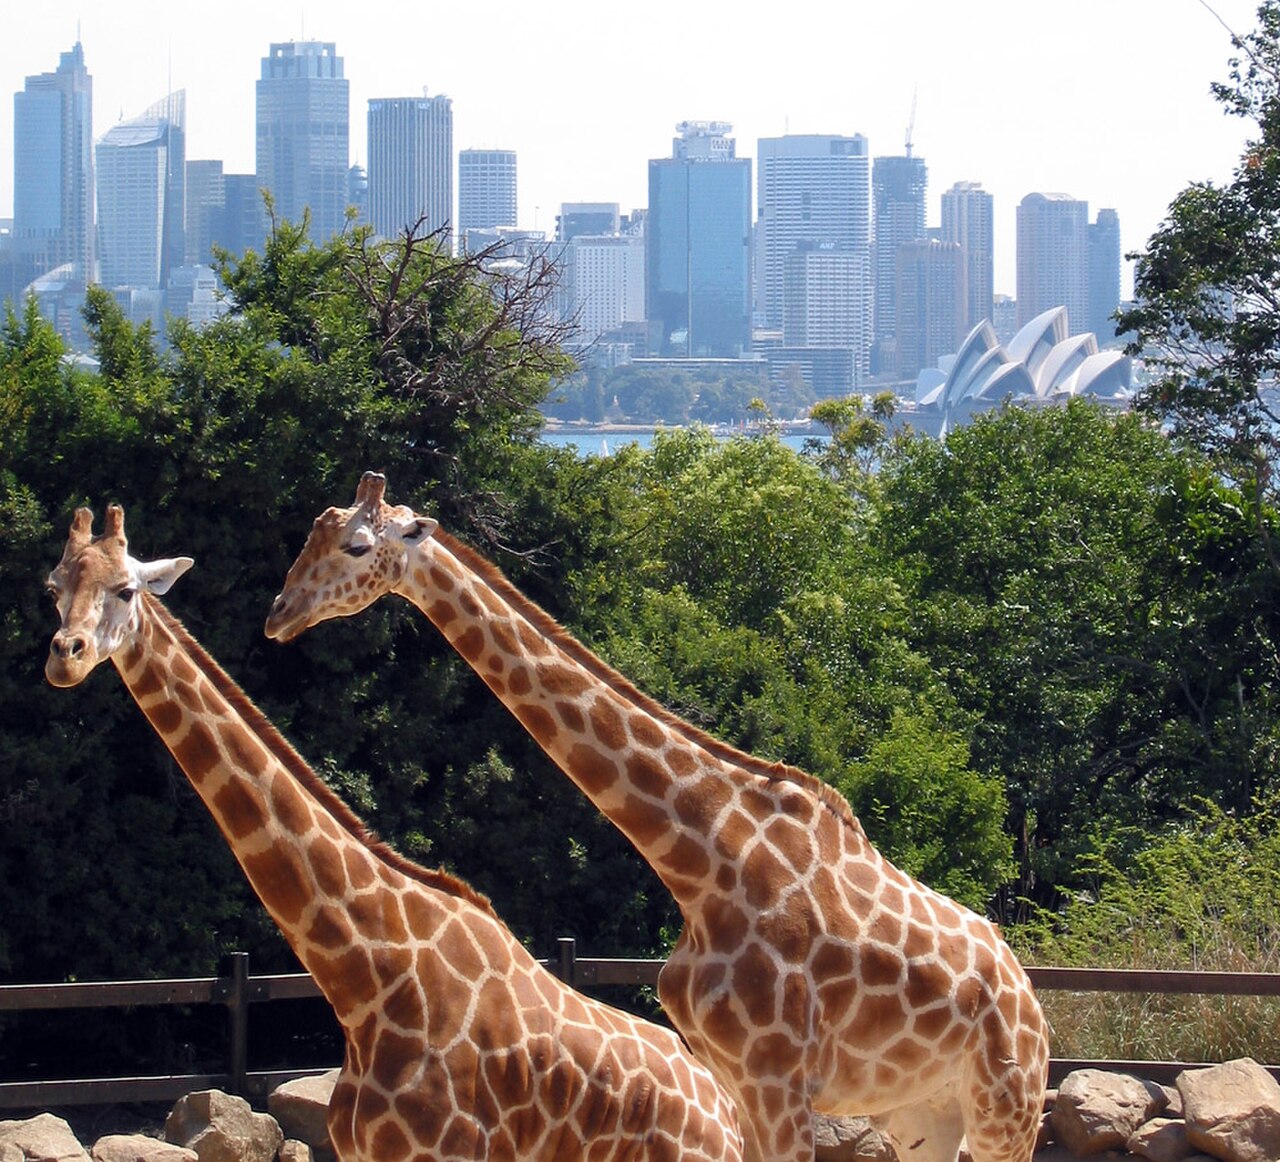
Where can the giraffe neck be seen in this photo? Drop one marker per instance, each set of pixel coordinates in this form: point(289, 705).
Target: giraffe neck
point(344, 903)
point(687, 801)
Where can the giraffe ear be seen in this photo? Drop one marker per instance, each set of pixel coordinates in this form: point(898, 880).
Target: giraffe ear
point(416, 528)
point(159, 576)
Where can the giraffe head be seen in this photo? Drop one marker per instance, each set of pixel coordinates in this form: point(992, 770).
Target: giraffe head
point(96, 586)
point(352, 557)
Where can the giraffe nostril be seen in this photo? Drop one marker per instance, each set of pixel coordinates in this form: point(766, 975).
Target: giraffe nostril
point(277, 606)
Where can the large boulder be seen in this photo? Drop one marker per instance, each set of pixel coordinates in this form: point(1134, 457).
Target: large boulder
point(301, 1107)
point(44, 1138)
point(1097, 1111)
point(851, 1139)
point(220, 1127)
point(1232, 1111)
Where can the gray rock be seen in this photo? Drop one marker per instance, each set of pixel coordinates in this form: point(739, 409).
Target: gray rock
point(223, 1128)
point(1233, 1111)
point(44, 1138)
point(1098, 1111)
point(1161, 1140)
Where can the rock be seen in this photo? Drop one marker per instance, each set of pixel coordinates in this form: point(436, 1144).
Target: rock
point(223, 1128)
point(1098, 1111)
point(301, 1107)
point(1233, 1111)
point(850, 1140)
point(291, 1150)
point(44, 1138)
point(1161, 1140)
point(139, 1148)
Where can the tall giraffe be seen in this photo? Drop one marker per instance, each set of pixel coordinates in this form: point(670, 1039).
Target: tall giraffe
point(811, 973)
point(459, 1044)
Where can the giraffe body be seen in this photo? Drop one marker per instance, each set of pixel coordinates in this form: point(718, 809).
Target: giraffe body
point(811, 974)
point(459, 1044)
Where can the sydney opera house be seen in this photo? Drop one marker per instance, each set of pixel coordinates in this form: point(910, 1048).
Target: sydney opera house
point(1042, 364)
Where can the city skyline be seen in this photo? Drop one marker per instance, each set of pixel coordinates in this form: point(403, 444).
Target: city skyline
point(1107, 106)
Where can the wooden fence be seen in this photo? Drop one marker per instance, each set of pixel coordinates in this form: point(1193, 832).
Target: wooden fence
point(236, 990)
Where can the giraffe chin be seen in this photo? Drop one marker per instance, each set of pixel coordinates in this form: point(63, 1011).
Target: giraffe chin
point(64, 672)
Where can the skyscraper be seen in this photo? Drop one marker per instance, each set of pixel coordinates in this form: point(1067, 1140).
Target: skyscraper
point(1053, 258)
point(206, 207)
point(410, 163)
point(53, 191)
point(827, 301)
point(142, 196)
point(931, 303)
point(898, 189)
point(486, 189)
point(968, 219)
point(303, 129)
point(812, 188)
point(587, 218)
point(698, 245)
point(1104, 274)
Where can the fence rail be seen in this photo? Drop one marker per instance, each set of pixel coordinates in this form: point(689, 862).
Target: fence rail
point(236, 991)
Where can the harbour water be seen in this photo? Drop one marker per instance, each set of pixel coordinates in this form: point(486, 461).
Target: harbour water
point(603, 441)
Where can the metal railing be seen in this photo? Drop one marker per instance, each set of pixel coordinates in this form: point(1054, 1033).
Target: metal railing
point(235, 990)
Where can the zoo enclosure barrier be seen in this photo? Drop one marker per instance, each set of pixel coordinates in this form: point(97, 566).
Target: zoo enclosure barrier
point(236, 990)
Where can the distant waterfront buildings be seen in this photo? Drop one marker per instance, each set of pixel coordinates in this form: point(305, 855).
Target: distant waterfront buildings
point(698, 245)
point(813, 189)
point(303, 131)
point(486, 189)
point(53, 180)
point(968, 219)
point(410, 164)
point(930, 290)
point(1053, 257)
point(141, 170)
point(898, 186)
point(577, 218)
point(827, 302)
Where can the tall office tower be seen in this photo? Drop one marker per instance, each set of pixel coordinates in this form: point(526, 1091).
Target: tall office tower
point(410, 164)
point(968, 218)
point(1053, 258)
point(53, 191)
point(1104, 275)
point(898, 189)
point(206, 206)
point(698, 245)
point(303, 129)
point(587, 218)
point(602, 284)
point(244, 222)
point(826, 297)
point(931, 296)
point(142, 196)
point(486, 189)
point(811, 188)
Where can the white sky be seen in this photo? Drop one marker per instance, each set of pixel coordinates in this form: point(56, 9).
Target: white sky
point(1106, 100)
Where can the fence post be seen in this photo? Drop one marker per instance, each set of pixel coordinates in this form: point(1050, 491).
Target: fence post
point(568, 955)
point(235, 968)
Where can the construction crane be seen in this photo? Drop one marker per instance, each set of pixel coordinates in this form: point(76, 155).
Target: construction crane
point(911, 121)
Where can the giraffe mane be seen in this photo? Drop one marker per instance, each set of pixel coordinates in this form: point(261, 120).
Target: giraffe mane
point(597, 667)
point(282, 750)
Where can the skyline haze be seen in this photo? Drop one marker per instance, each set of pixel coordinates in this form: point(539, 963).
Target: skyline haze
point(1110, 105)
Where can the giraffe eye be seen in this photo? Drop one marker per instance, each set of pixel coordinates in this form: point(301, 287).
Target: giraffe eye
point(126, 594)
point(52, 591)
point(357, 550)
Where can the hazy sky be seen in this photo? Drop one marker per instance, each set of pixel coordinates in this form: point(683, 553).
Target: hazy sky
point(1106, 100)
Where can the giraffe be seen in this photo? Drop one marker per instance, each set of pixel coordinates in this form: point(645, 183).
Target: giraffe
point(811, 974)
point(459, 1044)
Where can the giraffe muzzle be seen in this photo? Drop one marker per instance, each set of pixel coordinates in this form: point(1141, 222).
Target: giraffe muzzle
point(70, 660)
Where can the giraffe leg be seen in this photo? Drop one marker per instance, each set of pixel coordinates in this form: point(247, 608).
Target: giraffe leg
point(929, 1131)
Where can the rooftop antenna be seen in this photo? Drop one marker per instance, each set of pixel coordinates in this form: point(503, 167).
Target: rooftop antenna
point(911, 121)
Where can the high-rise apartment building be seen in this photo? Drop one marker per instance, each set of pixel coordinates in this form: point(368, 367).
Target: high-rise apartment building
point(486, 189)
point(602, 285)
point(811, 189)
point(303, 130)
point(141, 167)
point(827, 301)
point(53, 187)
point(931, 301)
point(410, 164)
point(898, 187)
point(206, 206)
point(968, 219)
point(244, 223)
point(1053, 258)
point(1104, 274)
point(698, 245)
